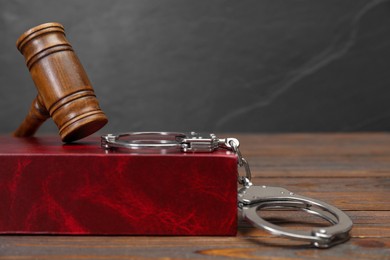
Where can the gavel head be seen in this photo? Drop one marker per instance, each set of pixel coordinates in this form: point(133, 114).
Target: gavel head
point(64, 89)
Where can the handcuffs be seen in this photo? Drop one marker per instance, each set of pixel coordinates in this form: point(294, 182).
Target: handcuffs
point(251, 198)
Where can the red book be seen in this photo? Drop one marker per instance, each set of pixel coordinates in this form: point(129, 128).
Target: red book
point(47, 187)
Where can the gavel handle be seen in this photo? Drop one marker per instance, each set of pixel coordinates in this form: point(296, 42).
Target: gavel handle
point(36, 116)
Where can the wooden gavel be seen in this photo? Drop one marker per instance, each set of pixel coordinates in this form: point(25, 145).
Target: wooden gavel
point(64, 91)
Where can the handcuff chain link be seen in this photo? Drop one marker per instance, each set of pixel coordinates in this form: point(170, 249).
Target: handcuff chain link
point(242, 162)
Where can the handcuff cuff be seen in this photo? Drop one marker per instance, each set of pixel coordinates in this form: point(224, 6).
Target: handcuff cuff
point(251, 198)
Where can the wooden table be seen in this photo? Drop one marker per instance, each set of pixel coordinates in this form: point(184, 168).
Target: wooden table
point(350, 171)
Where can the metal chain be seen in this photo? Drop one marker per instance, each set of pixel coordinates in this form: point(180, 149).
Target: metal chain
point(242, 162)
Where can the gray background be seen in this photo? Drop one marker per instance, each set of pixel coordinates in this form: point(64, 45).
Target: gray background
point(220, 66)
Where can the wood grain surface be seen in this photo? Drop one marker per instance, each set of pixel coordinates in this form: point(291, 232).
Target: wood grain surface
point(350, 171)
